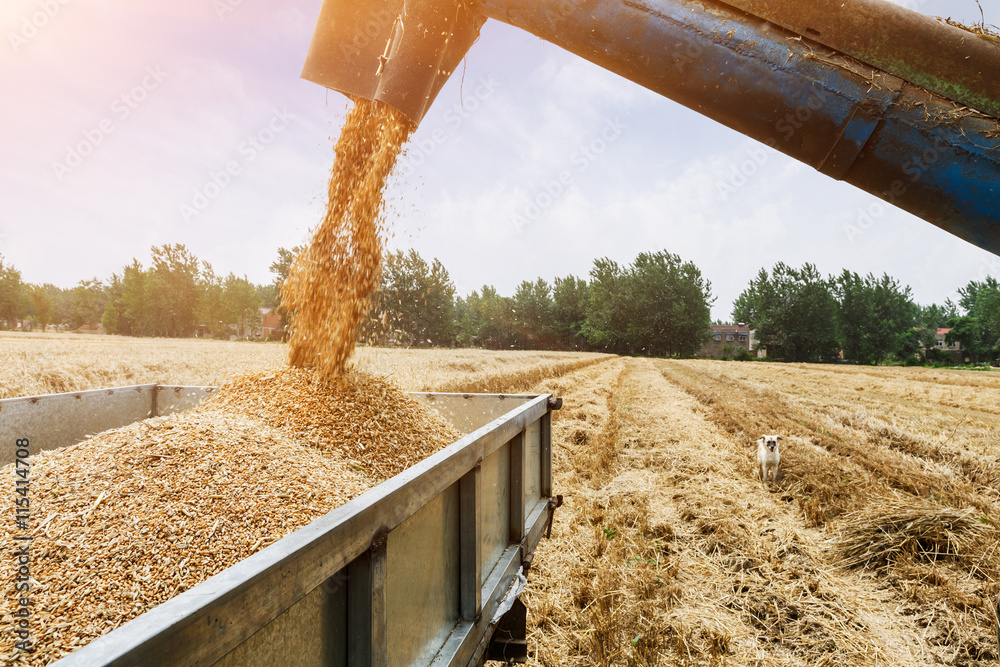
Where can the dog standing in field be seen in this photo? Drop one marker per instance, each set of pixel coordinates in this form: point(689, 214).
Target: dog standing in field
point(768, 457)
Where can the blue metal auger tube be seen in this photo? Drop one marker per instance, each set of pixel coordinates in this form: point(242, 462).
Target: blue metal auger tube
point(914, 149)
point(806, 81)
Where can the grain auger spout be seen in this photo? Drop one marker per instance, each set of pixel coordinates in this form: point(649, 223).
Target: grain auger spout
point(397, 52)
point(896, 103)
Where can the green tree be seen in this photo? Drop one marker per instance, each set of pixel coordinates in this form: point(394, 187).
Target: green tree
point(929, 320)
point(467, 319)
point(935, 316)
point(793, 312)
point(967, 331)
point(416, 300)
point(60, 303)
point(496, 316)
point(532, 314)
point(607, 309)
point(240, 305)
point(88, 300)
point(138, 312)
point(269, 295)
point(172, 290)
point(280, 268)
point(658, 305)
point(211, 306)
point(875, 317)
point(43, 305)
point(981, 300)
point(113, 320)
point(569, 311)
point(128, 310)
point(13, 295)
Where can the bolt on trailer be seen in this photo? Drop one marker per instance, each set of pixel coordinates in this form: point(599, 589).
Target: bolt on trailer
point(424, 569)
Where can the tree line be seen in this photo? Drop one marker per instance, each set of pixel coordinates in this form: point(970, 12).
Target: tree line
point(657, 305)
point(177, 295)
point(801, 316)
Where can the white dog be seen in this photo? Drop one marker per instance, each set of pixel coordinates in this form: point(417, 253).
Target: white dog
point(768, 457)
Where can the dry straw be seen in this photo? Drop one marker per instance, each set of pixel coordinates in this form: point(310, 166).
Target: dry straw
point(908, 529)
point(668, 551)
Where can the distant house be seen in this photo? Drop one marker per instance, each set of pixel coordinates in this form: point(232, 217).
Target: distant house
point(954, 349)
point(738, 336)
point(270, 324)
point(941, 342)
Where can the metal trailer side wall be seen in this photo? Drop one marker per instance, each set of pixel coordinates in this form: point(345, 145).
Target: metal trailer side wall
point(53, 421)
point(410, 573)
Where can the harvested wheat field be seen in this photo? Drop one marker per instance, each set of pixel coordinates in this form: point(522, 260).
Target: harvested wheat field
point(32, 364)
point(877, 545)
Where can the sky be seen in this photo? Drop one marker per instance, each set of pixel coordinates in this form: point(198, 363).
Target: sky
point(130, 124)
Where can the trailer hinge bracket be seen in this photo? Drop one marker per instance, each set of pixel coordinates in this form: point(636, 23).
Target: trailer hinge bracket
point(555, 502)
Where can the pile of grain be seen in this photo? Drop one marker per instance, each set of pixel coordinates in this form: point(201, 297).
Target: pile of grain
point(330, 286)
point(364, 418)
point(134, 516)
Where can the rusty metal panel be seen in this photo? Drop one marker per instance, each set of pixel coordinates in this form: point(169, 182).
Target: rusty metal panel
point(942, 58)
point(423, 566)
point(918, 150)
point(400, 52)
point(59, 420)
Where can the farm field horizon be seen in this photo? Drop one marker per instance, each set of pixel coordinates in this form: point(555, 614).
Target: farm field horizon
point(668, 549)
